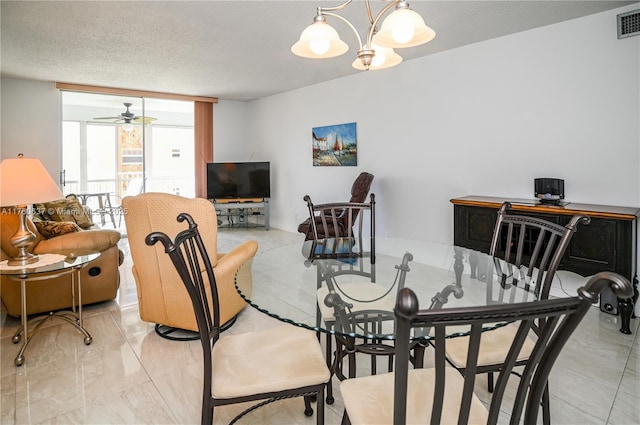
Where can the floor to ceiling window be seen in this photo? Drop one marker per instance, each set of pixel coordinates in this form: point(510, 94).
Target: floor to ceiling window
point(124, 145)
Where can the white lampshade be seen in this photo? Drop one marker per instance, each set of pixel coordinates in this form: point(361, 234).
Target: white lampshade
point(25, 181)
point(403, 28)
point(127, 127)
point(318, 41)
point(385, 57)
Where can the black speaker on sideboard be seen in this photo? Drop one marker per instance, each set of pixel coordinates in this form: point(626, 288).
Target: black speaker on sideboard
point(549, 190)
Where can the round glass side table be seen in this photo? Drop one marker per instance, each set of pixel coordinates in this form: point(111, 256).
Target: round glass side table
point(49, 266)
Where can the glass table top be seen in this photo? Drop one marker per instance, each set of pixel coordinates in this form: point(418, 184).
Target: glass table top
point(47, 263)
point(316, 283)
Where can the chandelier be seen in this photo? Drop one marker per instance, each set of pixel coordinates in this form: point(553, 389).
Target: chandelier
point(401, 28)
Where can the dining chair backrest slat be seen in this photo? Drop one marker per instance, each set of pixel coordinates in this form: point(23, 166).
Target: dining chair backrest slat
point(560, 317)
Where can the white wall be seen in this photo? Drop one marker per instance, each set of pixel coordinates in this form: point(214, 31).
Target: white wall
point(230, 131)
point(485, 119)
point(31, 122)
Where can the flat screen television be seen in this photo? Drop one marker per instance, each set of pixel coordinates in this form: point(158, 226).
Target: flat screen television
point(231, 180)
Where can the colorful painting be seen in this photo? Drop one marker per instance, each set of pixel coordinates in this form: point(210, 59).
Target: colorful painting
point(335, 145)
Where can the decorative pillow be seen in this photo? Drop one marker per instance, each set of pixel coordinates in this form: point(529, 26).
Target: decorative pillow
point(38, 213)
point(50, 229)
point(68, 209)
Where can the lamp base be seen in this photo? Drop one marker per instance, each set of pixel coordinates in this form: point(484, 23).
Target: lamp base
point(23, 259)
point(21, 240)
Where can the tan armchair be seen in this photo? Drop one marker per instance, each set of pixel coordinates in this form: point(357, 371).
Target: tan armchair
point(162, 297)
point(100, 278)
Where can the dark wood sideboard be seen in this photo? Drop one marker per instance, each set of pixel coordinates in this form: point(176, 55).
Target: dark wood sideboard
point(607, 243)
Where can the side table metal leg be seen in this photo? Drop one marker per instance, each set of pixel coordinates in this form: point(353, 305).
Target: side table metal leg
point(23, 309)
point(19, 360)
point(23, 316)
point(79, 324)
point(74, 321)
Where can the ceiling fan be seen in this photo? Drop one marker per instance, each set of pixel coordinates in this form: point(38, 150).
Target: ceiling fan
point(128, 117)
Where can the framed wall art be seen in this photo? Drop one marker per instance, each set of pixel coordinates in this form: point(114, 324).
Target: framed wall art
point(335, 145)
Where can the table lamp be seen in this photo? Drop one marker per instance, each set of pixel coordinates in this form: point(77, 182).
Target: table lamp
point(25, 181)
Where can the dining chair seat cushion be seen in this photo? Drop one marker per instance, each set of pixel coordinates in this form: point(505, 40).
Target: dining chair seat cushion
point(357, 294)
point(273, 359)
point(369, 399)
point(494, 346)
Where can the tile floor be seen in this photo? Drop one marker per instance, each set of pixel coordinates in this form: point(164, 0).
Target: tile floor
point(129, 375)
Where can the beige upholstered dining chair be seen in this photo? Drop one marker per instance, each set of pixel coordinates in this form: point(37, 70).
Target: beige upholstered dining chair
point(162, 298)
point(440, 394)
point(270, 365)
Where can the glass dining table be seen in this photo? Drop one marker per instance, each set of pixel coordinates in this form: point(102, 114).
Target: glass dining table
point(303, 283)
point(346, 287)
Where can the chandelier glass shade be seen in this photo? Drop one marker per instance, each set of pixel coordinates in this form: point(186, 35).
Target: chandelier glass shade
point(385, 57)
point(319, 41)
point(401, 28)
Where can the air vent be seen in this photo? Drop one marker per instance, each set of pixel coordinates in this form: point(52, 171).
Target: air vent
point(629, 24)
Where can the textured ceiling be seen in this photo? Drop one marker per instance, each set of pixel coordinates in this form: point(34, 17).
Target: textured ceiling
point(229, 49)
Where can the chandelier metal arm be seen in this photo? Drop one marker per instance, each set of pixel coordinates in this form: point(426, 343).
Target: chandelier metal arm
point(374, 22)
point(346, 21)
point(322, 9)
point(320, 40)
point(369, 14)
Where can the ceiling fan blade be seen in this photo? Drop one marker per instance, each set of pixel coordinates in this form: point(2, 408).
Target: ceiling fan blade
point(147, 120)
point(107, 118)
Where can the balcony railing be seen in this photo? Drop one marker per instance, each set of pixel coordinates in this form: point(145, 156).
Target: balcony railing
point(130, 184)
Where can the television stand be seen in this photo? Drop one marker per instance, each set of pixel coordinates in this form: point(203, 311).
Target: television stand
point(242, 212)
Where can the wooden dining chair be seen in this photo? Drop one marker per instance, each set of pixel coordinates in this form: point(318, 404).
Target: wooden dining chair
point(525, 254)
point(440, 394)
point(269, 365)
